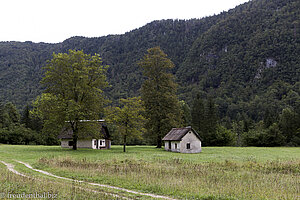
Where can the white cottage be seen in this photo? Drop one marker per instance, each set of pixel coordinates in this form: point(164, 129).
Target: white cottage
point(183, 140)
point(101, 141)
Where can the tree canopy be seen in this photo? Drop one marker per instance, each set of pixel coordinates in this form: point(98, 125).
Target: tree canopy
point(74, 84)
point(127, 118)
point(162, 108)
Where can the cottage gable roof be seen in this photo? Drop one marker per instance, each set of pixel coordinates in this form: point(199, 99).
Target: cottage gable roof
point(67, 133)
point(176, 134)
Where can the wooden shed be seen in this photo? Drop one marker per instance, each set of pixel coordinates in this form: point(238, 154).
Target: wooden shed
point(183, 140)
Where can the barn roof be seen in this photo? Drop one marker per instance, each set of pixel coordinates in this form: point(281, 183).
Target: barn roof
point(176, 134)
point(67, 133)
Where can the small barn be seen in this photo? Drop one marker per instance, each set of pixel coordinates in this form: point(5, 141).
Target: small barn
point(183, 140)
point(100, 141)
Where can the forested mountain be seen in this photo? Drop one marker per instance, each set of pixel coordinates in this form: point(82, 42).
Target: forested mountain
point(246, 59)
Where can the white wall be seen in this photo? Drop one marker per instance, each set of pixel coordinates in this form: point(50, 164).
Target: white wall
point(101, 143)
point(85, 143)
point(166, 145)
point(65, 143)
point(173, 145)
point(193, 140)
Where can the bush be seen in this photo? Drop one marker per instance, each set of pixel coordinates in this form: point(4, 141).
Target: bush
point(223, 137)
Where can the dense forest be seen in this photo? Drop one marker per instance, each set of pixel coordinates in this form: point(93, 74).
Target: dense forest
point(244, 64)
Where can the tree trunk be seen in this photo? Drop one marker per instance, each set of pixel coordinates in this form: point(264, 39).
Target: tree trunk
point(159, 143)
point(124, 144)
point(158, 137)
point(75, 138)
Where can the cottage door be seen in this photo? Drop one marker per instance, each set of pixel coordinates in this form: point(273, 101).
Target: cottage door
point(97, 144)
point(170, 145)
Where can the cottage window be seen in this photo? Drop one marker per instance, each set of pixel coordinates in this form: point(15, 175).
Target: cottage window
point(100, 142)
point(95, 142)
point(175, 145)
point(70, 143)
point(188, 146)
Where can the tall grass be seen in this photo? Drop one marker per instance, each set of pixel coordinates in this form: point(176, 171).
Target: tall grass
point(175, 177)
point(216, 173)
point(13, 186)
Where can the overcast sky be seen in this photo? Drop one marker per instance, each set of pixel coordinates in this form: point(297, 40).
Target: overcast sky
point(54, 21)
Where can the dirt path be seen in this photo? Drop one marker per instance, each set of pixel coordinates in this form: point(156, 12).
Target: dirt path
point(10, 167)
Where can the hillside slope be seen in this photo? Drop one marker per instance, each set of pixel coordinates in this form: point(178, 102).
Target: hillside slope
point(247, 59)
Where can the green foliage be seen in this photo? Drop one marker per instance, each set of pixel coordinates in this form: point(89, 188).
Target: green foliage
point(127, 118)
point(222, 137)
point(25, 130)
point(4, 117)
point(74, 85)
point(289, 126)
point(162, 108)
point(247, 60)
point(13, 114)
point(205, 120)
point(198, 115)
point(20, 135)
point(260, 136)
point(186, 113)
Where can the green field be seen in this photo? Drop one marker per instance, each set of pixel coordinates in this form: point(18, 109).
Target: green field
point(216, 173)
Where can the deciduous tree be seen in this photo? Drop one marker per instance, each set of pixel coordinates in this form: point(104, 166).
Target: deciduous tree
point(74, 83)
point(128, 118)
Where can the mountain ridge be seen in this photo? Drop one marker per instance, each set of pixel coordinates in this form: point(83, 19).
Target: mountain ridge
point(217, 56)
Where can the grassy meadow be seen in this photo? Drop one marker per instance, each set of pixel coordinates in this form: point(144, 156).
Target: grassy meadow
point(216, 173)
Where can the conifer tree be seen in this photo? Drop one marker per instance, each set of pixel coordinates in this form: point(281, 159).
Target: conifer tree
point(25, 118)
point(12, 112)
point(198, 115)
point(162, 108)
point(211, 122)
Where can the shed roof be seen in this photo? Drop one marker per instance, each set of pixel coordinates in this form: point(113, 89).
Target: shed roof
point(67, 133)
point(176, 134)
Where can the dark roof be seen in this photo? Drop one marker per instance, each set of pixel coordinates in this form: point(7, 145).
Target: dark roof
point(176, 134)
point(67, 133)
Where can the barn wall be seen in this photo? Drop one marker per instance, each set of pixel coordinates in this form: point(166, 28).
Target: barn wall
point(193, 140)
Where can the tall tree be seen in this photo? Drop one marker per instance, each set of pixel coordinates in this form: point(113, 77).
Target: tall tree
point(162, 108)
point(128, 118)
point(198, 115)
point(4, 117)
point(211, 122)
point(289, 125)
point(14, 115)
point(186, 113)
point(25, 117)
point(74, 83)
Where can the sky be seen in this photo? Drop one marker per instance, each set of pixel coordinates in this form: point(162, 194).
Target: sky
point(53, 21)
